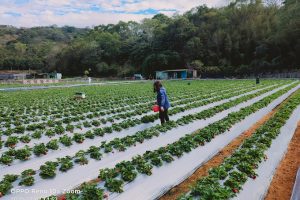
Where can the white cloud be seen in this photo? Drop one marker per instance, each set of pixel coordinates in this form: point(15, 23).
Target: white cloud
point(72, 19)
point(82, 13)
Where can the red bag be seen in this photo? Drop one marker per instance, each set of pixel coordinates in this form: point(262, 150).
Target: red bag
point(155, 108)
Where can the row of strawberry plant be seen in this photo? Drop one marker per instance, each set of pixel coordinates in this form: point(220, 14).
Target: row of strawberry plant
point(66, 105)
point(88, 105)
point(42, 149)
point(48, 169)
point(127, 171)
point(87, 191)
point(226, 180)
point(138, 110)
point(66, 119)
point(60, 129)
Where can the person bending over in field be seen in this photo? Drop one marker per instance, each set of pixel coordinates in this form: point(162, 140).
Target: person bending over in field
point(162, 101)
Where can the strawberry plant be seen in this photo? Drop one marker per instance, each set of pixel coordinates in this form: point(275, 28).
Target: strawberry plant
point(116, 127)
point(96, 123)
point(50, 123)
point(127, 171)
point(209, 188)
point(107, 129)
point(10, 178)
point(95, 153)
point(227, 166)
point(128, 175)
point(7, 132)
point(107, 148)
point(91, 192)
point(65, 140)
point(99, 131)
point(59, 129)
point(65, 163)
point(25, 139)
point(107, 173)
point(36, 134)
point(79, 126)
point(103, 121)
point(90, 116)
point(47, 171)
point(19, 129)
point(40, 149)
point(110, 119)
point(247, 169)
point(28, 172)
point(144, 168)
point(70, 128)
point(27, 181)
point(114, 185)
point(156, 161)
point(149, 118)
point(50, 133)
point(11, 141)
point(79, 138)
point(5, 187)
point(6, 184)
point(80, 158)
point(66, 120)
point(68, 196)
point(218, 172)
point(6, 159)
point(23, 154)
point(89, 134)
point(175, 150)
point(87, 124)
point(52, 144)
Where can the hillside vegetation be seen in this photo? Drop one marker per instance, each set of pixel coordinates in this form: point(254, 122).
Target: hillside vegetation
point(238, 39)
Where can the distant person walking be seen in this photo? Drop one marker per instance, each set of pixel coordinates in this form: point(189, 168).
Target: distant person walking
point(257, 80)
point(162, 101)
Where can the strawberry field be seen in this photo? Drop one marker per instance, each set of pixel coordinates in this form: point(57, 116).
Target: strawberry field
point(112, 146)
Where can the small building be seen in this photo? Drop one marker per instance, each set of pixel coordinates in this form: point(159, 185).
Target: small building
point(13, 75)
point(176, 74)
point(55, 75)
point(138, 77)
point(6, 76)
point(52, 75)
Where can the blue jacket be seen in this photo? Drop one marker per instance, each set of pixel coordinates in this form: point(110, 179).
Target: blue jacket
point(162, 98)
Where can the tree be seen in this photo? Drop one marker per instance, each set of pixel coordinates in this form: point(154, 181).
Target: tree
point(197, 65)
point(245, 36)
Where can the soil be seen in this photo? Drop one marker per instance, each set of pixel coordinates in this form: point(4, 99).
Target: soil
point(217, 160)
point(282, 184)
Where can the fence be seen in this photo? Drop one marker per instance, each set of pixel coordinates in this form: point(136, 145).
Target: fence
point(291, 74)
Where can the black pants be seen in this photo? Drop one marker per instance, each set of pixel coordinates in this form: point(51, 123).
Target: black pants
point(163, 116)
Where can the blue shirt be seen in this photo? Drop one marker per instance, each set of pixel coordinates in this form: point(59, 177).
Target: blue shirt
point(162, 99)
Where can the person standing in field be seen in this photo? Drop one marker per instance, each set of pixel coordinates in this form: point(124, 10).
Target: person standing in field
point(162, 101)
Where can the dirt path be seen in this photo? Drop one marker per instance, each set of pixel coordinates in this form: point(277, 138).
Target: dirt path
point(184, 187)
point(283, 181)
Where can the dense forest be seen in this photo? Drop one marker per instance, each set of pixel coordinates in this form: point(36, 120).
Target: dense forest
point(239, 39)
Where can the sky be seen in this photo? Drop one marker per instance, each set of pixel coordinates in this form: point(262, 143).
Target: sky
point(89, 13)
